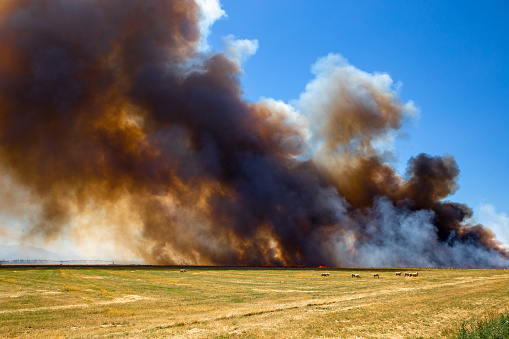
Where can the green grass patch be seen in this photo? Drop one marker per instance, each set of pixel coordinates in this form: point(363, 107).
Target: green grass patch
point(496, 327)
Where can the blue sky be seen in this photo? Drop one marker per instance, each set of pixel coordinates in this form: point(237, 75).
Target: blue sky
point(452, 59)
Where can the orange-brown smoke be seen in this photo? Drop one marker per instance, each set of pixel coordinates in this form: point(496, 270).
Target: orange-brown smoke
point(117, 124)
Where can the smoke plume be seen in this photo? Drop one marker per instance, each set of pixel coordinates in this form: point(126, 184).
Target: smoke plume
point(118, 123)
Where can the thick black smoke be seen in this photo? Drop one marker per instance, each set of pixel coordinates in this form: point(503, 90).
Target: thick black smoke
point(115, 121)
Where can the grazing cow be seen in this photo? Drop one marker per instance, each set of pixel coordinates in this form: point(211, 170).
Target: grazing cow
point(407, 274)
point(325, 274)
point(376, 275)
point(353, 275)
point(398, 273)
point(357, 276)
point(183, 270)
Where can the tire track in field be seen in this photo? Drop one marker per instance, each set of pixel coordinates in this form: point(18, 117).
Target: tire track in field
point(121, 300)
point(323, 302)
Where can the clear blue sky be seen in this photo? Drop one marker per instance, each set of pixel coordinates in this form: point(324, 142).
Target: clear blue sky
point(451, 57)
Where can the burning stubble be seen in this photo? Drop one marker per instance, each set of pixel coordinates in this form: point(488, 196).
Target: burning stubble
point(113, 119)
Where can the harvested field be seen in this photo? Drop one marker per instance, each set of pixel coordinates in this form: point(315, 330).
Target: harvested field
point(41, 302)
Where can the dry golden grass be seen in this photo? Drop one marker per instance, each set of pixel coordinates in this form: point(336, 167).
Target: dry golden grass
point(60, 302)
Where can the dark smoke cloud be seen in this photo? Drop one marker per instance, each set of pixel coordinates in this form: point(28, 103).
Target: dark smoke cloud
point(118, 124)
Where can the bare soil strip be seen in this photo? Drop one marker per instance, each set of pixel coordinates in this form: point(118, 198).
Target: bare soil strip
point(122, 300)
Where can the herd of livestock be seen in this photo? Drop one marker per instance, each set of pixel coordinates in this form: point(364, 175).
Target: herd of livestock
point(355, 275)
point(377, 275)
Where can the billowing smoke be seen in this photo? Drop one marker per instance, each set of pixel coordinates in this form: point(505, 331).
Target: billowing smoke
point(118, 123)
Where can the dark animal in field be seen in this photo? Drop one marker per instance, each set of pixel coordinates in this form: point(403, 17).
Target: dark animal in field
point(398, 273)
point(376, 275)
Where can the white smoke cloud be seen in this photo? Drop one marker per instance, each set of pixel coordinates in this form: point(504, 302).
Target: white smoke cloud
point(238, 50)
point(294, 142)
point(350, 108)
point(498, 222)
point(211, 11)
point(397, 237)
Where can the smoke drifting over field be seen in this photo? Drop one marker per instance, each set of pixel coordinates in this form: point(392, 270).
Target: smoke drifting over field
point(120, 126)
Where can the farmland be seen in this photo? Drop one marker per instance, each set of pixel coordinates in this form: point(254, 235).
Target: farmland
point(141, 301)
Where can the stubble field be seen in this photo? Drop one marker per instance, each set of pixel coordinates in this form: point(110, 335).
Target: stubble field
point(145, 302)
